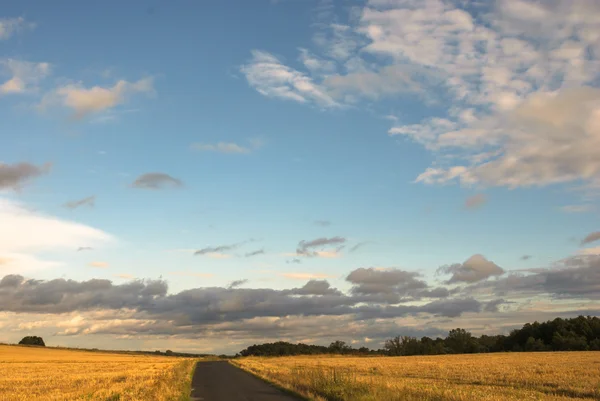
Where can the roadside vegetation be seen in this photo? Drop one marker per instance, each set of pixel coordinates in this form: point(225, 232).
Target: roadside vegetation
point(38, 373)
point(501, 376)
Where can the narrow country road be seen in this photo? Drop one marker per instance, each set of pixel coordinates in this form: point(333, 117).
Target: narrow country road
point(221, 381)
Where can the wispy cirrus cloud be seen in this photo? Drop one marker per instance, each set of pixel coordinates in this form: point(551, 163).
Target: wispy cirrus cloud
point(520, 78)
point(475, 202)
point(23, 76)
point(310, 248)
point(228, 147)
point(88, 201)
point(271, 78)
point(99, 264)
point(11, 26)
point(237, 283)
point(255, 253)
point(156, 181)
point(591, 237)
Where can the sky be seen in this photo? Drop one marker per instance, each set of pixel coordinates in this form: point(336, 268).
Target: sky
point(203, 176)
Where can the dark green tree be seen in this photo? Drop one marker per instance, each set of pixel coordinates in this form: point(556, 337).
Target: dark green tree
point(32, 340)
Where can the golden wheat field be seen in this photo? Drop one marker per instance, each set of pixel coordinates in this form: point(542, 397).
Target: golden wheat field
point(37, 373)
point(505, 376)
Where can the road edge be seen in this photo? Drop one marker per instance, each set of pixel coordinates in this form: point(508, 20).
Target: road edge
point(271, 383)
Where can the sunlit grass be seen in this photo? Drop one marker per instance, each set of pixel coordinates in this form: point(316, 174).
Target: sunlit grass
point(504, 376)
point(37, 373)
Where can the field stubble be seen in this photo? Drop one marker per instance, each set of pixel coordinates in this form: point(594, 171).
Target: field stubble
point(505, 376)
point(35, 373)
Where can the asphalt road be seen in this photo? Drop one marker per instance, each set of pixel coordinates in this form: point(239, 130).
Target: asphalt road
point(221, 381)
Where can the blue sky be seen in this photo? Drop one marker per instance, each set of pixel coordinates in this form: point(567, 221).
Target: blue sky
point(421, 133)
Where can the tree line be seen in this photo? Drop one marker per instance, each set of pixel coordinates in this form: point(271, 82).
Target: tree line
point(577, 334)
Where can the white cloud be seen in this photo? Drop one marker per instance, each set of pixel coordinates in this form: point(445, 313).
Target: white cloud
point(227, 147)
point(306, 276)
point(584, 208)
point(314, 63)
point(24, 233)
point(84, 101)
point(99, 265)
point(590, 251)
point(525, 112)
point(271, 78)
point(24, 76)
point(10, 26)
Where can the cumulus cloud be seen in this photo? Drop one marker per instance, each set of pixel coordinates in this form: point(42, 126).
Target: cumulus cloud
point(156, 181)
point(146, 308)
point(11, 26)
point(474, 269)
point(13, 176)
point(23, 75)
point(475, 201)
point(520, 78)
point(576, 277)
point(265, 73)
point(89, 201)
point(591, 237)
point(85, 101)
point(309, 248)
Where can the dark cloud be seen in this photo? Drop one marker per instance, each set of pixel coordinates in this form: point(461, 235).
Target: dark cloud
point(237, 283)
point(89, 201)
point(358, 246)
point(15, 175)
point(368, 281)
point(591, 237)
point(58, 296)
point(209, 305)
point(254, 253)
point(492, 306)
point(307, 248)
point(316, 287)
point(438, 292)
point(475, 201)
point(223, 248)
point(216, 249)
point(156, 181)
point(526, 257)
point(474, 269)
point(84, 248)
point(293, 261)
point(322, 223)
point(576, 277)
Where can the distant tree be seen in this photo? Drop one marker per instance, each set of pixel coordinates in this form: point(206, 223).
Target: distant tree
point(169, 352)
point(460, 341)
point(533, 344)
point(394, 346)
point(339, 347)
point(32, 340)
